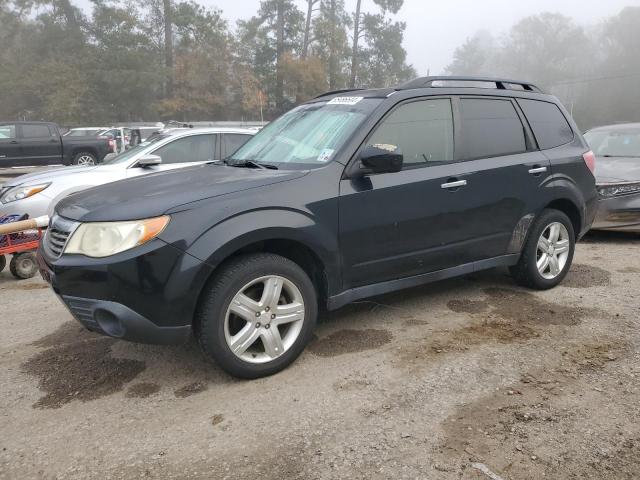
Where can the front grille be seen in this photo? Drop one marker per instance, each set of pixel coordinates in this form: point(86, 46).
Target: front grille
point(60, 229)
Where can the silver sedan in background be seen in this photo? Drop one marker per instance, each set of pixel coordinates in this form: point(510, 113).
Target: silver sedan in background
point(617, 150)
point(37, 194)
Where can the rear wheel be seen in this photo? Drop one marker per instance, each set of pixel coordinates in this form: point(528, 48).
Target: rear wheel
point(548, 252)
point(257, 315)
point(24, 265)
point(3, 262)
point(84, 158)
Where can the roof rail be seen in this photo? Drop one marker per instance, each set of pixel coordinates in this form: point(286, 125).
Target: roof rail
point(334, 92)
point(501, 83)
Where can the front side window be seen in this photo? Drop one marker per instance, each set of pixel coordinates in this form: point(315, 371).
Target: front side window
point(547, 122)
point(35, 131)
point(194, 148)
point(232, 142)
point(309, 135)
point(422, 130)
point(7, 131)
point(490, 128)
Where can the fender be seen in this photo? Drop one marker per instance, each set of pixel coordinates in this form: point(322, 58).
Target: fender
point(244, 229)
point(562, 187)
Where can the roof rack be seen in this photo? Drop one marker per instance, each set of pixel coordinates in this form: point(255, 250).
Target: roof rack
point(334, 92)
point(501, 83)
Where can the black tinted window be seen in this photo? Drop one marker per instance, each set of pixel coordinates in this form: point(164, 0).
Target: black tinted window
point(195, 148)
point(35, 131)
point(422, 130)
point(232, 142)
point(7, 131)
point(547, 122)
point(490, 128)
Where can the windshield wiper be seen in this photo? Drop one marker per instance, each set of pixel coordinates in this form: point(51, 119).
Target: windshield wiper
point(621, 156)
point(250, 164)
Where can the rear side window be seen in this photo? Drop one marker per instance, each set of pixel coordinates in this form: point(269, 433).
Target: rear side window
point(422, 130)
point(547, 122)
point(35, 131)
point(232, 142)
point(490, 128)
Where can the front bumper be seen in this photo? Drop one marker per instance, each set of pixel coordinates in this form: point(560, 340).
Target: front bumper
point(619, 214)
point(147, 295)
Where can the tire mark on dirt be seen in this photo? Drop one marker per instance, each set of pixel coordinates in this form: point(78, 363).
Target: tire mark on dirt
point(349, 341)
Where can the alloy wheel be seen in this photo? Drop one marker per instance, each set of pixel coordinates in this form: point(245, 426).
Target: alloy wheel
point(264, 319)
point(553, 250)
point(86, 160)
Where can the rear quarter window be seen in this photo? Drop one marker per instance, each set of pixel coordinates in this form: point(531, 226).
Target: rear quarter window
point(549, 125)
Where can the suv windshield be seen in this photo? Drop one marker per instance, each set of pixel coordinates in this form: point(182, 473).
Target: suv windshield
point(128, 155)
point(309, 135)
point(615, 143)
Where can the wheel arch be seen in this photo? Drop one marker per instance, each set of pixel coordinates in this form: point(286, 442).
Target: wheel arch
point(571, 210)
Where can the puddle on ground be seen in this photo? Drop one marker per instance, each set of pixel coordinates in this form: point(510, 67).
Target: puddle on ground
point(68, 332)
point(217, 419)
point(629, 270)
point(506, 426)
point(468, 306)
point(79, 368)
point(142, 390)
point(190, 389)
point(349, 341)
point(585, 276)
point(25, 286)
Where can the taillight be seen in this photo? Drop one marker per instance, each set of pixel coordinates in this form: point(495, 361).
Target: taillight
point(590, 160)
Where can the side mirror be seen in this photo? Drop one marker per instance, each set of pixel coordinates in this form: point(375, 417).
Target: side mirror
point(149, 161)
point(381, 158)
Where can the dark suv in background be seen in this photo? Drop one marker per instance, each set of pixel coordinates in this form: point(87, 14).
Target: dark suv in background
point(350, 195)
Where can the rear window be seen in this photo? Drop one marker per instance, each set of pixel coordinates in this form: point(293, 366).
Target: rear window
point(548, 123)
point(490, 128)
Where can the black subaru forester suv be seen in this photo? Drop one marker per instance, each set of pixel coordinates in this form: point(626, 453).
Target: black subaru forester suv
point(350, 195)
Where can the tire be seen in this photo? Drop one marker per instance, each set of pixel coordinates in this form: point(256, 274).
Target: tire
point(24, 265)
point(84, 158)
point(256, 275)
point(3, 262)
point(528, 272)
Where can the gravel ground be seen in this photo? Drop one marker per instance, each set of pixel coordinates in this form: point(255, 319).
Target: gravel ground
point(454, 380)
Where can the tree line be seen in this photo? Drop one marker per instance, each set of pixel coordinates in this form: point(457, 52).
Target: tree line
point(594, 70)
point(125, 61)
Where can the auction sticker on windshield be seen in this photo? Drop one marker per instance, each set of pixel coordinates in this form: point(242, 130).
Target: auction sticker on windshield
point(345, 100)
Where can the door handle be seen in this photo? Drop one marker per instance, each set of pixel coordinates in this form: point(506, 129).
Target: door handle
point(456, 184)
point(537, 170)
point(13, 142)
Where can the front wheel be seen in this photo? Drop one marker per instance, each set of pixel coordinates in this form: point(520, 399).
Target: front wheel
point(257, 315)
point(84, 159)
point(548, 252)
point(24, 265)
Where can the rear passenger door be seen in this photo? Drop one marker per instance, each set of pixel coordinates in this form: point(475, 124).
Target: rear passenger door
point(501, 164)
point(39, 144)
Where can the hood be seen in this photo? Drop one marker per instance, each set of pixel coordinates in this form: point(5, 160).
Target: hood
point(617, 169)
point(45, 176)
point(153, 195)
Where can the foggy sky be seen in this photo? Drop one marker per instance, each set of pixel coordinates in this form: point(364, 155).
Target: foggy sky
point(436, 27)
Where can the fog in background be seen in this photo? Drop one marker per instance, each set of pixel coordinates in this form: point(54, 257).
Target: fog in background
point(90, 61)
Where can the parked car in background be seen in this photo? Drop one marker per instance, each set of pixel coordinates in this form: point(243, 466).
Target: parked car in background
point(36, 194)
point(347, 196)
point(40, 143)
point(85, 132)
point(617, 148)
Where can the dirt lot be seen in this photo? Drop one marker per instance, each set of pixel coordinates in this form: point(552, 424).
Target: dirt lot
point(426, 383)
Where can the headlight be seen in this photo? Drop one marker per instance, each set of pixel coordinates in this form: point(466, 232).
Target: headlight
point(617, 190)
point(104, 239)
point(21, 192)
